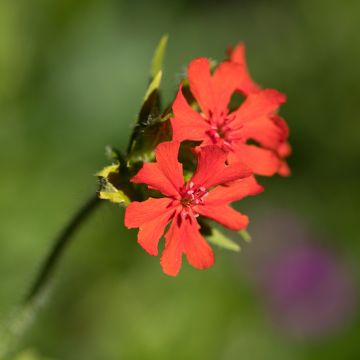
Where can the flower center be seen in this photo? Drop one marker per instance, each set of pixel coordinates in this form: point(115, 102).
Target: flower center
point(192, 195)
point(220, 131)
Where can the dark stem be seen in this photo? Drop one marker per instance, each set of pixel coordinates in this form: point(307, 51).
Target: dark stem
point(59, 247)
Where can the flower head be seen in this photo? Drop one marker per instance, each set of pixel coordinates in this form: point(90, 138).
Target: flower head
point(247, 86)
point(208, 193)
point(230, 130)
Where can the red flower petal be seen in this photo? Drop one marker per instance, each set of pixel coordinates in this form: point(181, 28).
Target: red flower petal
point(166, 174)
point(224, 215)
point(167, 158)
point(171, 257)
point(151, 217)
point(281, 123)
point(139, 213)
point(234, 191)
point(260, 161)
point(263, 103)
point(211, 169)
point(197, 250)
point(201, 83)
point(184, 237)
point(151, 232)
point(246, 84)
point(263, 130)
point(213, 93)
point(284, 150)
point(225, 81)
point(284, 169)
point(187, 124)
point(152, 175)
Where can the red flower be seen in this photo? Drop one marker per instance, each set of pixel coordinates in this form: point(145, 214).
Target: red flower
point(207, 193)
point(247, 86)
point(231, 131)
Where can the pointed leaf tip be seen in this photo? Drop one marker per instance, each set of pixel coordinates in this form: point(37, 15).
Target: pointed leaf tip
point(158, 57)
point(220, 239)
point(104, 173)
point(245, 235)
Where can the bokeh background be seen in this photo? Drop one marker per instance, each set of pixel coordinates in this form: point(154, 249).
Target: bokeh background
point(72, 76)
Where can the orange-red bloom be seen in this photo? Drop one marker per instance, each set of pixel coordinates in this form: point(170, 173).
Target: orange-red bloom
point(208, 193)
point(231, 130)
point(247, 86)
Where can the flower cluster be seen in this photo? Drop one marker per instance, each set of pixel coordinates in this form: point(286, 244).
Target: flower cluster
point(223, 143)
point(216, 123)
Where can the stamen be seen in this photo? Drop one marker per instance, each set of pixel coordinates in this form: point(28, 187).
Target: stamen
point(192, 196)
point(184, 213)
point(220, 129)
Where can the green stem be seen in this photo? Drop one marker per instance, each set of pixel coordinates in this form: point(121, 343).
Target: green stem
point(60, 244)
point(22, 316)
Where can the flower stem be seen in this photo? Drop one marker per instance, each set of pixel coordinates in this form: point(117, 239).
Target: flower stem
point(60, 244)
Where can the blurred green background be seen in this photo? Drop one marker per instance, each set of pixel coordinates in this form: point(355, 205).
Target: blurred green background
point(72, 77)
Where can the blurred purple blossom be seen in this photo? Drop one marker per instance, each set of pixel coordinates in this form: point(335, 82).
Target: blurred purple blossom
point(308, 289)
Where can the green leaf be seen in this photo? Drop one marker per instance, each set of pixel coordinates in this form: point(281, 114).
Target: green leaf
point(154, 85)
point(109, 192)
point(245, 235)
point(158, 57)
point(107, 170)
point(219, 239)
point(147, 139)
point(107, 189)
point(152, 126)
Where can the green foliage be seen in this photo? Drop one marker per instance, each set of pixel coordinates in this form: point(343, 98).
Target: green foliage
point(245, 235)
point(154, 86)
point(108, 190)
point(158, 58)
point(151, 127)
point(219, 239)
point(30, 354)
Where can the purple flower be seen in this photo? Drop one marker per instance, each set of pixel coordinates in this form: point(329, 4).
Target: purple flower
point(308, 289)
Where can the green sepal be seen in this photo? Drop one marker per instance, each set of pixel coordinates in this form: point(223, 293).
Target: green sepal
point(154, 85)
point(218, 238)
point(152, 126)
point(108, 191)
point(245, 235)
point(148, 137)
point(158, 57)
